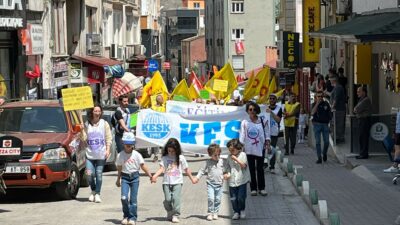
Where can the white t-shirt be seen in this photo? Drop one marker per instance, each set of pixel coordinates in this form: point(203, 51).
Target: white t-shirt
point(173, 174)
point(130, 162)
point(253, 135)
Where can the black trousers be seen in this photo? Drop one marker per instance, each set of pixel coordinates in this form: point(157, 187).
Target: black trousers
point(364, 125)
point(256, 172)
point(290, 138)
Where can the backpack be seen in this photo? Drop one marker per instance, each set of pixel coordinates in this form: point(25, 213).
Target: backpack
point(114, 120)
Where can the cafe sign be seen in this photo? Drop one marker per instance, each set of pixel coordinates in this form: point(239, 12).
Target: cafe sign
point(12, 14)
point(311, 23)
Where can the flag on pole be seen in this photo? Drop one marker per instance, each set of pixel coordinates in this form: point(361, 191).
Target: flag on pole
point(227, 74)
point(193, 92)
point(246, 93)
point(181, 92)
point(263, 91)
point(155, 86)
point(258, 85)
point(193, 80)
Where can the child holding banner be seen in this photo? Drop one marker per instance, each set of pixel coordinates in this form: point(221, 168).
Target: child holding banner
point(172, 164)
point(237, 171)
point(214, 170)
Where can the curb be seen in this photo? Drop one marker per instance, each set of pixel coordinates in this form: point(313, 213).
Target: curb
point(309, 195)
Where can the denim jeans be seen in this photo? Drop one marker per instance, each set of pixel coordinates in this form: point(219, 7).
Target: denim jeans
point(214, 193)
point(129, 192)
point(94, 171)
point(321, 128)
point(118, 143)
point(238, 197)
point(172, 202)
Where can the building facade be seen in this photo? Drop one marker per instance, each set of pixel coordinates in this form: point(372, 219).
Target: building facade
point(193, 52)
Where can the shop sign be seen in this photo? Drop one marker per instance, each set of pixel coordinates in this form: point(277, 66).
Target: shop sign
point(60, 74)
point(12, 14)
point(290, 49)
point(75, 72)
point(379, 131)
point(95, 75)
point(34, 39)
point(311, 23)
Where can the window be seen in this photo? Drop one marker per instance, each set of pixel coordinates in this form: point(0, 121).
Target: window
point(107, 28)
point(117, 29)
point(196, 5)
point(237, 7)
point(129, 29)
point(58, 28)
point(237, 34)
point(238, 62)
point(91, 20)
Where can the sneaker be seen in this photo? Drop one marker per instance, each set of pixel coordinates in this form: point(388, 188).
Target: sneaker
point(124, 221)
point(253, 193)
point(175, 219)
point(215, 216)
point(91, 197)
point(97, 198)
point(319, 161)
point(325, 157)
point(209, 217)
point(391, 169)
point(169, 215)
point(242, 214)
point(131, 222)
point(262, 193)
point(235, 216)
point(271, 170)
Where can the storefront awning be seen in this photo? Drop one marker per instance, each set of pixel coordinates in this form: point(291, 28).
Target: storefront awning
point(97, 60)
point(381, 25)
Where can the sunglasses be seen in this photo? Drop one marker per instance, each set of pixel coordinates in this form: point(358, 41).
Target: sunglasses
point(251, 109)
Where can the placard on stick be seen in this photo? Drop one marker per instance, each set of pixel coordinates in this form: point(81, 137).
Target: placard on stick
point(77, 98)
point(220, 85)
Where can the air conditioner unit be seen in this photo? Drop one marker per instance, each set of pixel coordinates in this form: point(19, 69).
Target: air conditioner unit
point(116, 52)
point(139, 50)
point(93, 44)
point(341, 6)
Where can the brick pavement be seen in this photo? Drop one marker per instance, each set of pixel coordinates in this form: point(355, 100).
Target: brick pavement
point(357, 201)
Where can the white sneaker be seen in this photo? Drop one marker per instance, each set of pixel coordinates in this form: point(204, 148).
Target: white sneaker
point(97, 198)
point(391, 169)
point(235, 216)
point(253, 193)
point(175, 219)
point(209, 217)
point(242, 214)
point(131, 222)
point(263, 193)
point(91, 197)
point(124, 221)
point(215, 216)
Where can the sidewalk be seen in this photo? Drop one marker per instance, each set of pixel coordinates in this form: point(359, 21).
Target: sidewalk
point(359, 197)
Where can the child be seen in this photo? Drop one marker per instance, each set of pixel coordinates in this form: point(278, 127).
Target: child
point(172, 165)
point(215, 178)
point(236, 170)
point(128, 164)
point(303, 120)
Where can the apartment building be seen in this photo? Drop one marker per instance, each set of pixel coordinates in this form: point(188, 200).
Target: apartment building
point(229, 23)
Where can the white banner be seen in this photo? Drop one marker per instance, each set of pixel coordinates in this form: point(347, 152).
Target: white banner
point(191, 108)
point(193, 132)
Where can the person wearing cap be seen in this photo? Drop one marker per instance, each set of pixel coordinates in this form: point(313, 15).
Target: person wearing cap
point(97, 135)
point(338, 105)
point(276, 116)
point(129, 162)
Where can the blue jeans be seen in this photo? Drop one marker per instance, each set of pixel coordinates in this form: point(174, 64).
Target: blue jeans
point(118, 143)
point(321, 128)
point(214, 193)
point(94, 171)
point(129, 192)
point(238, 197)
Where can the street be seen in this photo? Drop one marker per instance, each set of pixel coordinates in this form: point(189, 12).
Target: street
point(282, 206)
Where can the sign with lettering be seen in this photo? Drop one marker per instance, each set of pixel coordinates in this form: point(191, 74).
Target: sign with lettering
point(12, 14)
point(191, 108)
point(291, 51)
point(220, 85)
point(311, 23)
point(77, 98)
point(75, 72)
point(34, 42)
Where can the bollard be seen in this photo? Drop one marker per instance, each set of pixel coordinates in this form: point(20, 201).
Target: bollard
point(299, 180)
point(313, 196)
point(334, 219)
point(306, 187)
point(290, 167)
point(323, 209)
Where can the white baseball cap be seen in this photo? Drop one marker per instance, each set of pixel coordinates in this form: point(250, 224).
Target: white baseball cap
point(128, 138)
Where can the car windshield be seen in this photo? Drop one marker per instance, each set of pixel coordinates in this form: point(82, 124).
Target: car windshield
point(33, 120)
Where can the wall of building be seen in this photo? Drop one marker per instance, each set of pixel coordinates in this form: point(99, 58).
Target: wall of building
point(360, 6)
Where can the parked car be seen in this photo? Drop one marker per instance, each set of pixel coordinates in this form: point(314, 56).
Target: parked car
point(52, 154)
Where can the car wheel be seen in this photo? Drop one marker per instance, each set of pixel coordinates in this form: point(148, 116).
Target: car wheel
point(69, 188)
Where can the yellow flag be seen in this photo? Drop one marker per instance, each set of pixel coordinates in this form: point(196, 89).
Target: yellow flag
point(295, 88)
point(181, 91)
point(226, 73)
point(155, 86)
point(279, 93)
point(193, 93)
point(247, 90)
point(263, 91)
point(259, 85)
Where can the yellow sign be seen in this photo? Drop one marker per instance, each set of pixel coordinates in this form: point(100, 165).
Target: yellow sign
point(3, 87)
point(311, 23)
point(77, 98)
point(220, 85)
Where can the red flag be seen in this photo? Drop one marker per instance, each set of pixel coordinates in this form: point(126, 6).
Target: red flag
point(195, 81)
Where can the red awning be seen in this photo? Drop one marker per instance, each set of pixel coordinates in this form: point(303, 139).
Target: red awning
point(97, 60)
